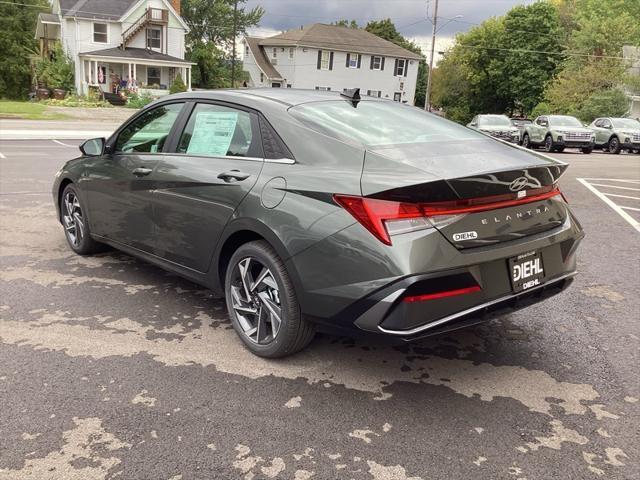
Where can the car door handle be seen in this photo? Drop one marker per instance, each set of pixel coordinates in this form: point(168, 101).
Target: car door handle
point(142, 171)
point(233, 175)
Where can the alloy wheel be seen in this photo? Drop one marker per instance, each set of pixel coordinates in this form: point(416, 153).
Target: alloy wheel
point(614, 145)
point(73, 219)
point(525, 142)
point(548, 144)
point(255, 299)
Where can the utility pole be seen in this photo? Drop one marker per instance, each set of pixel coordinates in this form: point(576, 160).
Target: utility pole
point(233, 58)
point(427, 98)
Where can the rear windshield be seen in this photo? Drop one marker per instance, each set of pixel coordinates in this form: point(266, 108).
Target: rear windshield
point(499, 120)
point(374, 123)
point(625, 123)
point(565, 121)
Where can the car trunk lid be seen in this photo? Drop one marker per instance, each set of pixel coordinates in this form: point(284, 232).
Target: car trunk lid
point(476, 193)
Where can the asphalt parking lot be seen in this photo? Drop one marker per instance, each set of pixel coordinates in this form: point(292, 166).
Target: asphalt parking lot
point(112, 368)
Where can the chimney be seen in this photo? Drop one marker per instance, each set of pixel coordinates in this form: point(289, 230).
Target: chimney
point(176, 6)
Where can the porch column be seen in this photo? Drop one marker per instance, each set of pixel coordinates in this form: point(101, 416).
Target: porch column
point(95, 72)
point(82, 77)
point(129, 74)
point(189, 81)
point(135, 73)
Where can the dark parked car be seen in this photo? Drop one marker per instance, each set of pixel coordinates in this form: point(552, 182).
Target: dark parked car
point(320, 210)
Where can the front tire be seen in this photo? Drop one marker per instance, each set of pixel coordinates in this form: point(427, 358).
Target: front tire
point(262, 303)
point(548, 144)
point(614, 145)
point(587, 150)
point(75, 222)
point(526, 142)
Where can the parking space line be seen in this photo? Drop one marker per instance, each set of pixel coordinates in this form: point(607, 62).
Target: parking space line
point(621, 196)
point(614, 180)
point(632, 221)
point(632, 208)
point(615, 186)
point(2, 155)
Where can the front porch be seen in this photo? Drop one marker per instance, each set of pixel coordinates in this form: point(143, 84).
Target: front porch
point(135, 69)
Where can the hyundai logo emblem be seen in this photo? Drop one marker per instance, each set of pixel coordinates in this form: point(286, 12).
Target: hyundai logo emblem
point(518, 184)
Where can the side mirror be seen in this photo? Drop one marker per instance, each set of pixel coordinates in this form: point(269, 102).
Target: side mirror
point(93, 147)
point(609, 127)
point(473, 124)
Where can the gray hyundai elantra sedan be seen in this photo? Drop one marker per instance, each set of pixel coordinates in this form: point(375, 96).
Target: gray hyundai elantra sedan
point(317, 210)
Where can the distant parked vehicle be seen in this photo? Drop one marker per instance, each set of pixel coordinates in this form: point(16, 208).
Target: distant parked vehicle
point(557, 132)
point(520, 123)
point(617, 134)
point(498, 126)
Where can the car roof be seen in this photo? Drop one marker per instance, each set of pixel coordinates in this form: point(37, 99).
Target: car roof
point(284, 96)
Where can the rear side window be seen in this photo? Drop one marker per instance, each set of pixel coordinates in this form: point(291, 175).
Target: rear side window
point(218, 131)
point(375, 123)
point(148, 133)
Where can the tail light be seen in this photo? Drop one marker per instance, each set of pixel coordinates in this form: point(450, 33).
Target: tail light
point(385, 218)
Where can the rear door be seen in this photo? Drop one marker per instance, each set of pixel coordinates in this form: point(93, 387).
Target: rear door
point(217, 159)
point(121, 183)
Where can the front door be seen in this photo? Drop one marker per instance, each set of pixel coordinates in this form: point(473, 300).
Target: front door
point(217, 161)
point(121, 183)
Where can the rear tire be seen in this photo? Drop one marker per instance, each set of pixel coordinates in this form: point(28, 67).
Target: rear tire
point(560, 149)
point(262, 303)
point(614, 146)
point(587, 150)
point(75, 221)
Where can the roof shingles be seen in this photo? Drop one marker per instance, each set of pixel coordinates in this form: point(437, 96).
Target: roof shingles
point(332, 37)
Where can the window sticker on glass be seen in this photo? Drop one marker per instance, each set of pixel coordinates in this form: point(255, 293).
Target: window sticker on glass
point(212, 133)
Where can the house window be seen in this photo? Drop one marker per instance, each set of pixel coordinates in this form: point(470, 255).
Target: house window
point(374, 93)
point(324, 60)
point(324, 89)
point(154, 38)
point(261, 77)
point(353, 60)
point(275, 53)
point(153, 76)
point(246, 49)
point(291, 52)
point(376, 63)
point(401, 67)
point(100, 33)
point(397, 97)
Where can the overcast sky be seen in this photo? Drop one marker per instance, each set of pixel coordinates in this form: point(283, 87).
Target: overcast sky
point(409, 16)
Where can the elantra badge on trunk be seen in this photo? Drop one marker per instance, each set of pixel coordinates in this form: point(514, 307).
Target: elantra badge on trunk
point(460, 237)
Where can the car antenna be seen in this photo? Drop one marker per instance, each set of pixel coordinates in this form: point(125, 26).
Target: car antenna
point(353, 94)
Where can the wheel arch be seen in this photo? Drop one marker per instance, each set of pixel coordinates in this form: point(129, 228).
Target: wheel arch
point(238, 233)
point(63, 184)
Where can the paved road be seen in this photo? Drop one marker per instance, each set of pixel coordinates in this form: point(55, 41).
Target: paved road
point(112, 368)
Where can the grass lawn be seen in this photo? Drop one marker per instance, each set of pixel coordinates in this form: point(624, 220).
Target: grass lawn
point(27, 111)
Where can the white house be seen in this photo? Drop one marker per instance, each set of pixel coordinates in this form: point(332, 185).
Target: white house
point(328, 57)
point(119, 42)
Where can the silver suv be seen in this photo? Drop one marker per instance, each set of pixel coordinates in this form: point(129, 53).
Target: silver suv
point(557, 132)
point(497, 126)
point(616, 134)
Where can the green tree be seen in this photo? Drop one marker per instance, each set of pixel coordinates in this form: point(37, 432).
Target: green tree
point(178, 85)
point(211, 33)
point(593, 61)
point(346, 23)
point(605, 103)
point(17, 44)
point(523, 75)
point(387, 30)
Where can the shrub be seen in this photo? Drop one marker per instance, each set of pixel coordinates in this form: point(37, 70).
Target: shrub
point(57, 70)
point(178, 85)
point(90, 101)
point(134, 100)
